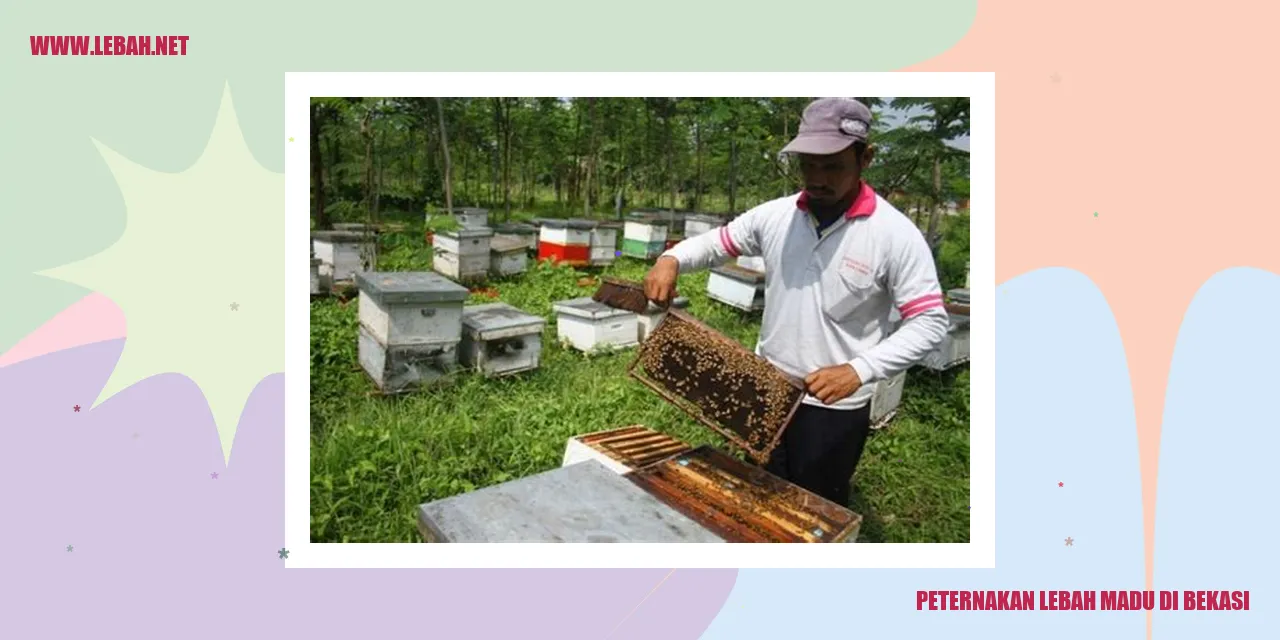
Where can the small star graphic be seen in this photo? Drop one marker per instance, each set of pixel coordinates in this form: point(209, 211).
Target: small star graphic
point(77, 408)
point(1055, 78)
point(1059, 484)
point(1069, 541)
point(235, 306)
point(214, 475)
point(135, 435)
point(290, 138)
point(1095, 214)
point(284, 553)
point(70, 548)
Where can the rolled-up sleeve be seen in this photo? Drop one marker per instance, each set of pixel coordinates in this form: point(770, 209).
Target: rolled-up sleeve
point(741, 237)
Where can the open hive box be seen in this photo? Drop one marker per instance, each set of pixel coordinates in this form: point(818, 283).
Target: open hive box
point(742, 503)
point(624, 449)
point(718, 382)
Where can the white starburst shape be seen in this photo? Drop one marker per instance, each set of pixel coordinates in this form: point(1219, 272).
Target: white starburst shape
point(193, 241)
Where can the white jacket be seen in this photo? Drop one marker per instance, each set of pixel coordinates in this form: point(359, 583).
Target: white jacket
point(828, 297)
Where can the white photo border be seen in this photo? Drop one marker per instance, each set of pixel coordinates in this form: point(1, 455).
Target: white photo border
point(978, 553)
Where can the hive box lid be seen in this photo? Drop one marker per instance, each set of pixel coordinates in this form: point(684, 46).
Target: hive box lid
point(959, 295)
point(678, 303)
point(337, 236)
point(583, 502)
point(589, 309)
point(497, 316)
point(467, 234)
point(609, 224)
point(507, 244)
point(515, 228)
point(704, 217)
point(740, 274)
point(572, 223)
point(409, 287)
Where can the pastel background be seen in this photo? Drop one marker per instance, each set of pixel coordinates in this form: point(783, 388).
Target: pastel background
point(1136, 303)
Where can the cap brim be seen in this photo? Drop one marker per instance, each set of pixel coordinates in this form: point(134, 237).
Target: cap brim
point(818, 144)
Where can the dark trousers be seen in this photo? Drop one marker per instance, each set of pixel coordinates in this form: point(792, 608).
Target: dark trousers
point(820, 450)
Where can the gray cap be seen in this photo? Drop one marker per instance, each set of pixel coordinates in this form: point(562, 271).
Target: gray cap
point(830, 125)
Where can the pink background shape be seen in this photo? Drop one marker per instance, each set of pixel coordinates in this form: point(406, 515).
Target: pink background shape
point(93, 318)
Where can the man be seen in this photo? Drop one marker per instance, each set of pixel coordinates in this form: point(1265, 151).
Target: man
point(838, 260)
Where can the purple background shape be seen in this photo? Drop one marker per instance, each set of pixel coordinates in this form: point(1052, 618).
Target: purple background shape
point(163, 550)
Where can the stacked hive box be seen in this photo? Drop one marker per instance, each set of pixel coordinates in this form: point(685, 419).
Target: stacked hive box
point(604, 244)
point(471, 217)
point(699, 223)
point(565, 241)
point(341, 255)
point(463, 254)
point(525, 233)
point(588, 325)
point(315, 277)
point(885, 400)
point(644, 237)
point(647, 321)
point(737, 287)
point(754, 263)
point(499, 339)
point(954, 349)
point(507, 255)
point(410, 327)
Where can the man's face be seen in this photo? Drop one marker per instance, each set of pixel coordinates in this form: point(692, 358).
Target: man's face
point(829, 179)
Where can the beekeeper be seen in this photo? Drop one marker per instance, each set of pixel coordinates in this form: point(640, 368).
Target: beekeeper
point(838, 259)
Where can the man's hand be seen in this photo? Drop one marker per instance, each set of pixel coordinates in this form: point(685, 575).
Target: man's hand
point(833, 384)
point(660, 282)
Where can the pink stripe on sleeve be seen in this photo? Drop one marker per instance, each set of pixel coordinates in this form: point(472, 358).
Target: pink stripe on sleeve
point(727, 243)
point(921, 304)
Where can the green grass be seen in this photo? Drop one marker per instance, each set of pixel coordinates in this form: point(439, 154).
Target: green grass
point(375, 459)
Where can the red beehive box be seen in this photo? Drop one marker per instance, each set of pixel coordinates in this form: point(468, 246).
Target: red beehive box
point(567, 241)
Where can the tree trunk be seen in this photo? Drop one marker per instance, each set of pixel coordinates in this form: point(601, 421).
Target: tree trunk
point(591, 159)
point(733, 172)
point(444, 148)
point(936, 217)
point(317, 170)
point(671, 151)
point(366, 132)
point(697, 185)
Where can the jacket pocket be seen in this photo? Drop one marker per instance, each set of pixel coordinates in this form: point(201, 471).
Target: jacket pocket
point(844, 289)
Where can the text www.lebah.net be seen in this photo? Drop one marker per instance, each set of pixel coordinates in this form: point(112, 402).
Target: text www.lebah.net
point(109, 45)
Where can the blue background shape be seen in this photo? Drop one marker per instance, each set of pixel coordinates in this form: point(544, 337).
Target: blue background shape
point(1064, 414)
point(1215, 515)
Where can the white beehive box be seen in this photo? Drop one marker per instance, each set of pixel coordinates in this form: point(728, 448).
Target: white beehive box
point(604, 243)
point(357, 227)
point(508, 255)
point(315, 277)
point(461, 268)
point(410, 327)
point(340, 253)
point(566, 233)
point(754, 263)
point(471, 217)
point(698, 224)
point(526, 233)
point(464, 242)
point(737, 287)
point(648, 321)
point(954, 349)
point(646, 231)
point(885, 400)
point(499, 339)
point(588, 325)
